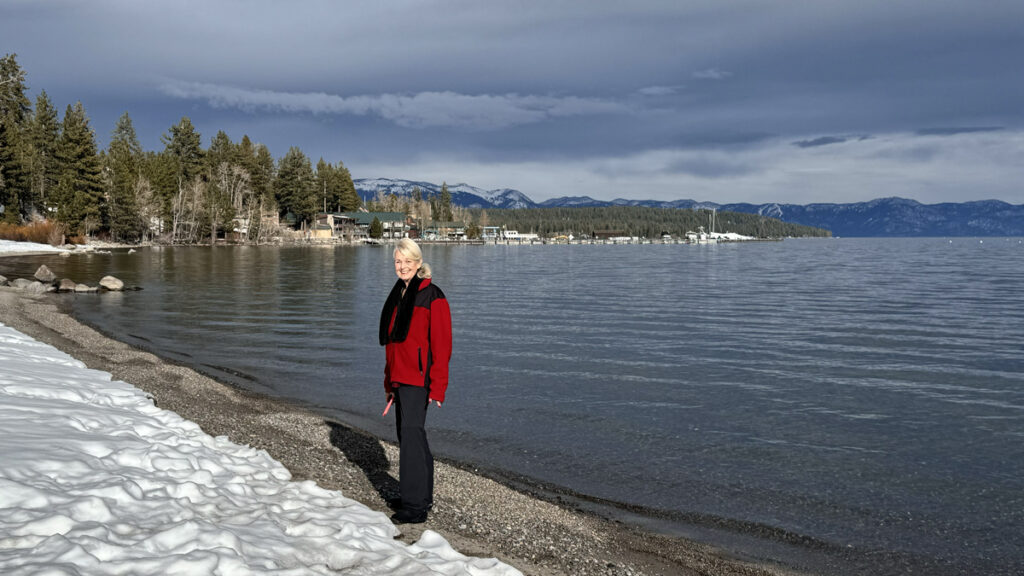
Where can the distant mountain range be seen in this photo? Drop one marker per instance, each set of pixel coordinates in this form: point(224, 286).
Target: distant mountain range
point(881, 217)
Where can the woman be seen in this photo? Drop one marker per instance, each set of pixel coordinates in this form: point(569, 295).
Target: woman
point(416, 330)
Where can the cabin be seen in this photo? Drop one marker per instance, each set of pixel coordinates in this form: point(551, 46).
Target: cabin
point(608, 234)
point(393, 224)
point(445, 231)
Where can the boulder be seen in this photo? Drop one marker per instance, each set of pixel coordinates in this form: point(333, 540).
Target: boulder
point(83, 288)
point(131, 250)
point(66, 285)
point(3, 281)
point(65, 254)
point(43, 274)
point(20, 283)
point(112, 284)
point(38, 287)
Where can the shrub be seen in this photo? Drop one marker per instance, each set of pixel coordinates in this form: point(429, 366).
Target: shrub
point(44, 232)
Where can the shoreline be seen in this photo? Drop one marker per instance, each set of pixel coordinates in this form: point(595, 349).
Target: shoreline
point(480, 513)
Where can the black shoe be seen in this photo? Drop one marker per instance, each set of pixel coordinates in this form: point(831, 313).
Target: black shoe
point(407, 516)
point(396, 504)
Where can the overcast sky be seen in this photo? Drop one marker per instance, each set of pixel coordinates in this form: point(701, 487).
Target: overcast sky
point(717, 100)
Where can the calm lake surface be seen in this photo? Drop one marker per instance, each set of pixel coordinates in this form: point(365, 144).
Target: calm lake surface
point(852, 406)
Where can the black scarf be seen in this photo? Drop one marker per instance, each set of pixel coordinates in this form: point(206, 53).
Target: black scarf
point(405, 306)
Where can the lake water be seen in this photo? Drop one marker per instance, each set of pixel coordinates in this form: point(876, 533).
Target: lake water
point(852, 406)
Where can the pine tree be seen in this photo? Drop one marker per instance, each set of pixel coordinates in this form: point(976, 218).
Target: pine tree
point(259, 165)
point(445, 203)
point(335, 188)
point(295, 186)
point(156, 192)
point(80, 185)
point(326, 186)
point(221, 150)
point(15, 107)
point(226, 180)
point(264, 171)
point(45, 132)
point(376, 228)
point(8, 192)
point(184, 144)
point(124, 169)
point(349, 198)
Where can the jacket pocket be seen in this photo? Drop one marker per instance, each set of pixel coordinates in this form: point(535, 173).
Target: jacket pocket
point(419, 359)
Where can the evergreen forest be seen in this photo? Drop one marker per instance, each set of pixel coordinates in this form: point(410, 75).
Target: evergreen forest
point(51, 171)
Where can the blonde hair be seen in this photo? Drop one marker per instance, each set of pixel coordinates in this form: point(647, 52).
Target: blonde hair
point(410, 249)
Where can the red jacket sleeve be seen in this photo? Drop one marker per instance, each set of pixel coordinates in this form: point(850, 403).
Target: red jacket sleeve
point(440, 347)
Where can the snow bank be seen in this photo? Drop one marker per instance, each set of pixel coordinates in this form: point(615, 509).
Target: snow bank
point(94, 479)
point(12, 246)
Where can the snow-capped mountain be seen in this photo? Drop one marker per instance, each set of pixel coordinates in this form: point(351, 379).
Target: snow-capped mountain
point(462, 194)
point(879, 217)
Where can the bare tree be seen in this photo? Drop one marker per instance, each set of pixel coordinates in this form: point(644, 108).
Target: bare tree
point(235, 184)
point(150, 208)
point(187, 212)
point(90, 223)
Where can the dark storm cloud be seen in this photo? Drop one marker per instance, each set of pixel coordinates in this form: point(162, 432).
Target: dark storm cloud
point(822, 141)
point(590, 83)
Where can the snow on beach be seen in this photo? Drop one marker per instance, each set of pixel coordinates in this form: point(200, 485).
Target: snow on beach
point(95, 479)
point(12, 246)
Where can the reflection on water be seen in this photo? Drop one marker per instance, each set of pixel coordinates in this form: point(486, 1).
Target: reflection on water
point(865, 393)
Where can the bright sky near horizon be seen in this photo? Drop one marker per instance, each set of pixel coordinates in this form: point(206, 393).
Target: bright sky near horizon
point(745, 101)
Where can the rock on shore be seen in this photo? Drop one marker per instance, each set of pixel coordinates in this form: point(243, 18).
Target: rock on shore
point(46, 281)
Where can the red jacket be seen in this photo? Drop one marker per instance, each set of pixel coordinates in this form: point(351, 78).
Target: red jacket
point(422, 358)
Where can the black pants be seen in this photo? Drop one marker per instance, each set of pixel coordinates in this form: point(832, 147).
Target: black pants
point(415, 463)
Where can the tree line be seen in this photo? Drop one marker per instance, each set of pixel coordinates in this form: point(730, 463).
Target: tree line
point(51, 169)
point(641, 221)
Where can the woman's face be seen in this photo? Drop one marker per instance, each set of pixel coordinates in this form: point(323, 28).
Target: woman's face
point(405, 267)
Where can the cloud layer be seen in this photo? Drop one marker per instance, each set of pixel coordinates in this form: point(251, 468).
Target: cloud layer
point(422, 110)
point(730, 96)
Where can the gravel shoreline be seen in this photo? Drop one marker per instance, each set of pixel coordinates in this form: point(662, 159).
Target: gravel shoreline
point(479, 516)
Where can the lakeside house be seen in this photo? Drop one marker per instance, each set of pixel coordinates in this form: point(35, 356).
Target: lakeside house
point(445, 231)
point(394, 225)
point(608, 234)
point(356, 225)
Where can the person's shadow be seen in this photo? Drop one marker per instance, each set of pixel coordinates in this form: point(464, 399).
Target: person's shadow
point(365, 452)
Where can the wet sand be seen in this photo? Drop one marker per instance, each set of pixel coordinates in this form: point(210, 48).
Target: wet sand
point(540, 534)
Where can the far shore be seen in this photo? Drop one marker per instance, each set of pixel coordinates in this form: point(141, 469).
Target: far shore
point(95, 245)
point(478, 515)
